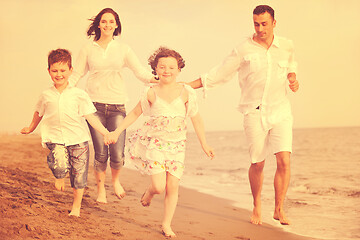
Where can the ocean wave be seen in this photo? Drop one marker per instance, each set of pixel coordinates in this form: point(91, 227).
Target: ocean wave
point(326, 191)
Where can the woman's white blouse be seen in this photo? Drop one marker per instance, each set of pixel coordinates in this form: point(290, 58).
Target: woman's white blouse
point(105, 83)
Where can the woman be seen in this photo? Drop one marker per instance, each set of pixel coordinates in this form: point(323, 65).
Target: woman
point(104, 58)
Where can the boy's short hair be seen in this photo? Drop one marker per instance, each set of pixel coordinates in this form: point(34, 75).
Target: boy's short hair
point(263, 9)
point(59, 55)
point(165, 52)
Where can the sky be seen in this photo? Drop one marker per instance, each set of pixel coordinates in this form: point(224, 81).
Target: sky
point(325, 34)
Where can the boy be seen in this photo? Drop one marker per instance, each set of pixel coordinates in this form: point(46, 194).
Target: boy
point(64, 132)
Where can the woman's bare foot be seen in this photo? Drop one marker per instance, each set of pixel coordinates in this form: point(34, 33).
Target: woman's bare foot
point(101, 195)
point(75, 212)
point(168, 232)
point(118, 189)
point(280, 216)
point(146, 198)
point(60, 184)
point(256, 216)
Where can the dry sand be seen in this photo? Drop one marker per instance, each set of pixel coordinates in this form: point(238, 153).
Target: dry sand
point(31, 208)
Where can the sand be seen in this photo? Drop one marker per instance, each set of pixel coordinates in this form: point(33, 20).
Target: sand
point(31, 208)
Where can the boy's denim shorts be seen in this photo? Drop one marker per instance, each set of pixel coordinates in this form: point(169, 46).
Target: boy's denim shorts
point(73, 159)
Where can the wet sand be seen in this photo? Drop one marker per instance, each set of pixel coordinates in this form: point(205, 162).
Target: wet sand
point(31, 208)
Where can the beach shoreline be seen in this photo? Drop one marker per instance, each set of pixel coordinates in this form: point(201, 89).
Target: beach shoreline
point(32, 208)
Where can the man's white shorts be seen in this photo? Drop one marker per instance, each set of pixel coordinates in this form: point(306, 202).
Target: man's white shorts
point(263, 142)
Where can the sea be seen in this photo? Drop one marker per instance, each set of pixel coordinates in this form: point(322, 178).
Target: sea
point(323, 199)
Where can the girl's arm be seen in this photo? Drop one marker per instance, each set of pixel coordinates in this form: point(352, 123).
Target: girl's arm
point(95, 123)
point(34, 123)
point(200, 132)
point(129, 119)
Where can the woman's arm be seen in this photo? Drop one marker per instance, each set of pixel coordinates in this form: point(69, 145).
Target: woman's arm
point(137, 68)
point(80, 69)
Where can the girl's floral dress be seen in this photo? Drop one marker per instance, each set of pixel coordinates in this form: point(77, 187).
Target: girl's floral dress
point(159, 145)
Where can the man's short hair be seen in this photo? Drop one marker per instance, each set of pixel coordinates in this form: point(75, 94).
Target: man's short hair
point(263, 9)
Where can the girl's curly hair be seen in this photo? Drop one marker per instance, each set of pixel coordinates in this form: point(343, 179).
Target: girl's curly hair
point(165, 52)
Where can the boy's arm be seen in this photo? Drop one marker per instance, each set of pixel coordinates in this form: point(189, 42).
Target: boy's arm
point(129, 119)
point(34, 123)
point(200, 132)
point(95, 123)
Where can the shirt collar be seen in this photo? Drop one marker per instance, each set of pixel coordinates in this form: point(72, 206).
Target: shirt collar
point(275, 43)
point(67, 87)
point(96, 44)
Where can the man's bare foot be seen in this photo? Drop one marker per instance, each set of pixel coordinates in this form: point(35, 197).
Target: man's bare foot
point(146, 198)
point(101, 195)
point(75, 212)
point(256, 216)
point(60, 184)
point(280, 216)
point(119, 190)
point(168, 232)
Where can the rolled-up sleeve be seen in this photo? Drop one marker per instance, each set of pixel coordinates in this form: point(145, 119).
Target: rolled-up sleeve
point(192, 105)
point(222, 73)
point(40, 106)
point(85, 104)
point(292, 63)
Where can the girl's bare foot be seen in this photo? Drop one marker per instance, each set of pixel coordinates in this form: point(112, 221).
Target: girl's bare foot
point(146, 198)
point(168, 232)
point(280, 216)
point(119, 190)
point(256, 216)
point(60, 184)
point(75, 212)
point(101, 195)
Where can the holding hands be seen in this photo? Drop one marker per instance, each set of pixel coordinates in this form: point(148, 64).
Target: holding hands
point(111, 137)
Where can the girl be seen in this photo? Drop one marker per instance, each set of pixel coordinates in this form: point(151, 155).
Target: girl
point(158, 148)
point(104, 58)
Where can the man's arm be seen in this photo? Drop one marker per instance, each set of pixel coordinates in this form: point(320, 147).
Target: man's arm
point(294, 84)
point(195, 84)
point(220, 74)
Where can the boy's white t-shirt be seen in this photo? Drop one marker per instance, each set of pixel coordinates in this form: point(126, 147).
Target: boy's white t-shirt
point(63, 115)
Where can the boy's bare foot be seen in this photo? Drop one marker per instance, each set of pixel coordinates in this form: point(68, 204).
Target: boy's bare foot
point(101, 195)
point(75, 212)
point(119, 190)
point(168, 232)
point(256, 216)
point(60, 184)
point(146, 198)
point(280, 216)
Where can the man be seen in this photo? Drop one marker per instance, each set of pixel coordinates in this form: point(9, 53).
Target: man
point(265, 65)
